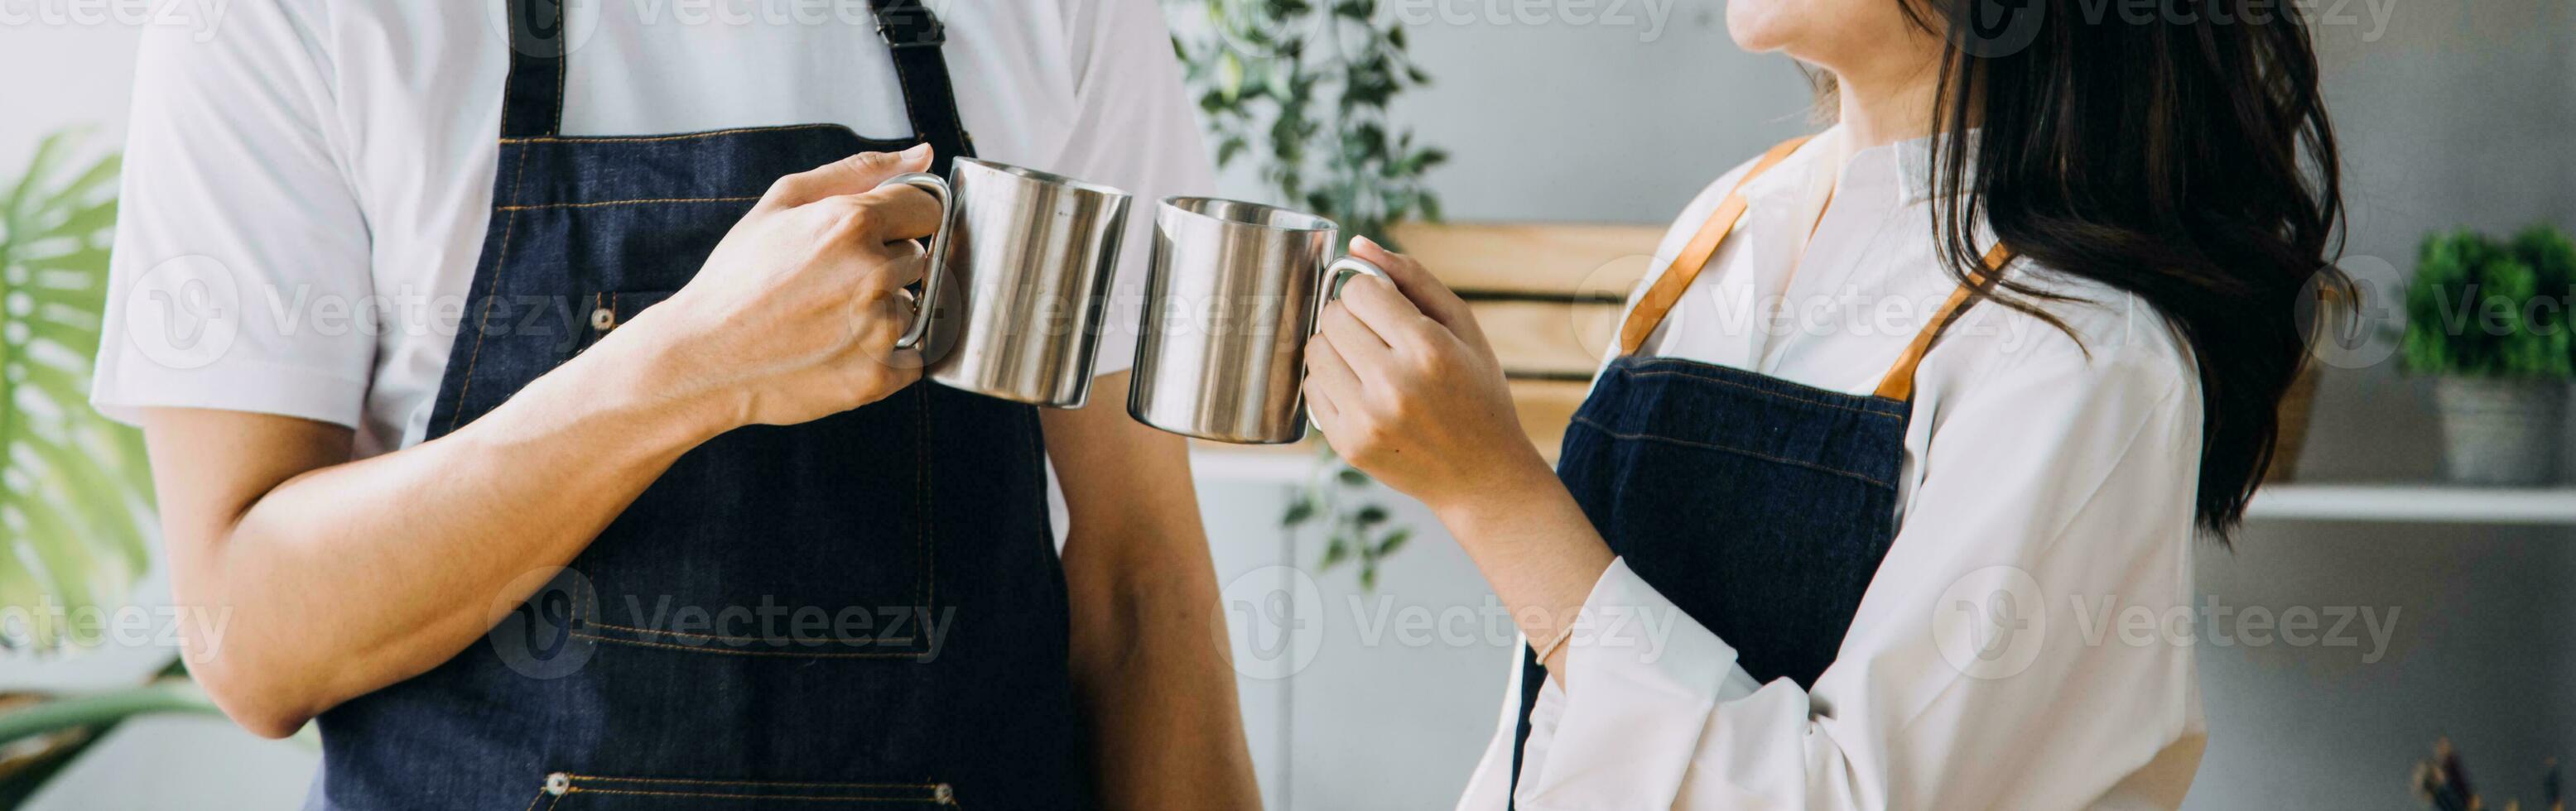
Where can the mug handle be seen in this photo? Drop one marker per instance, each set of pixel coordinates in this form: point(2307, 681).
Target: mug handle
point(936, 275)
point(1335, 275)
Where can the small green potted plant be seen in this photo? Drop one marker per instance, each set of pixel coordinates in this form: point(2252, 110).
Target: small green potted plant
point(2488, 321)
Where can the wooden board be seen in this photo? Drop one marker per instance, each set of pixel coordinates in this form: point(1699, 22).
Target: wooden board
point(1548, 338)
point(1582, 260)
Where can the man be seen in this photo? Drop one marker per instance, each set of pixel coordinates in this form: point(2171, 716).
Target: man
point(522, 382)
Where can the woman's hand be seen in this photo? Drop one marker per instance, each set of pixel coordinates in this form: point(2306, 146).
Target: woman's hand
point(795, 314)
point(1402, 381)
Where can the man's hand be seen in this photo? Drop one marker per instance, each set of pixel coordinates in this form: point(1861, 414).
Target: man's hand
point(794, 317)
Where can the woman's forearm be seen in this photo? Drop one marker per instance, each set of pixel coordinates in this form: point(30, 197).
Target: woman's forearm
point(350, 577)
point(1535, 547)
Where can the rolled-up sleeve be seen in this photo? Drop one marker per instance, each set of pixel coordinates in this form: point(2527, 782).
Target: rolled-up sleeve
point(1996, 660)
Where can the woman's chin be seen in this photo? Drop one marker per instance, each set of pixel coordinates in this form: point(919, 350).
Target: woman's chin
point(1757, 29)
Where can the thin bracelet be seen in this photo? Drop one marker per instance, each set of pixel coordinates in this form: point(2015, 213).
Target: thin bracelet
point(1554, 642)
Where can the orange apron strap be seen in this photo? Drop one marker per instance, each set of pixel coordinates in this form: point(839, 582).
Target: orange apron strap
point(1668, 288)
point(1899, 382)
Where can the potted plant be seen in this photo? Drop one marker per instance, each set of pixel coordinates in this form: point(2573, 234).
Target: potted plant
point(1300, 89)
point(2489, 321)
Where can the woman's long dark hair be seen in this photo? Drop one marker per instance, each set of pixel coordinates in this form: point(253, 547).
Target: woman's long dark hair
point(2186, 160)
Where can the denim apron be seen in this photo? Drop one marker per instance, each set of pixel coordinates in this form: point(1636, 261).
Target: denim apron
point(864, 611)
point(1758, 506)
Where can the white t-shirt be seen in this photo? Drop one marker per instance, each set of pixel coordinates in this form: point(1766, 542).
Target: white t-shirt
point(306, 191)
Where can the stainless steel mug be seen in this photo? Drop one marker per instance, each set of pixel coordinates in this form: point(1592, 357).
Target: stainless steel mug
point(1018, 276)
point(1232, 293)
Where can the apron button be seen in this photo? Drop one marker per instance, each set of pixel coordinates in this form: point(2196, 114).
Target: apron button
point(943, 794)
point(558, 783)
point(603, 319)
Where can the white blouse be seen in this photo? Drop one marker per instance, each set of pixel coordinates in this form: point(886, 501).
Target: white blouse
point(2026, 643)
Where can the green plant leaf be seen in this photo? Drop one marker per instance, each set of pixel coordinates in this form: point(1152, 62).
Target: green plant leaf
point(1393, 541)
point(1299, 512)
point(70, 533)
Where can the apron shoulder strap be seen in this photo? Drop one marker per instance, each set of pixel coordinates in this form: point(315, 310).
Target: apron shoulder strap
point(929, 99)
point(1668, 288)
point(532, 97)
point(1898, 384)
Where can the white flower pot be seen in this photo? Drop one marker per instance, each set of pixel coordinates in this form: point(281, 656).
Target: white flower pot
point(2500, 431)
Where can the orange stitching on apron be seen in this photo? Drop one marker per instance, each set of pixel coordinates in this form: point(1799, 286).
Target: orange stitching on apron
point(639, 139)
point(558, 800)
point(745, 782)
point(1790, 397)
point(532, 801)
point(712, 638)
point(563, 37)
point(483, 323)
point(1725, 449)
point(605, 203)
point(715, 796)
point(801, 654)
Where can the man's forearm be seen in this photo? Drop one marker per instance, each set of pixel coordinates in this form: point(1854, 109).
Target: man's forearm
point(1156, 680)
point(343, 579)
point(1149, 653)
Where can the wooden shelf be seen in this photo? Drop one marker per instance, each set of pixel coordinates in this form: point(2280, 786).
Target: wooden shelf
point(2415, 503)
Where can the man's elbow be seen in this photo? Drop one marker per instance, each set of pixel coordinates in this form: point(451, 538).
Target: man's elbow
point(254, 697)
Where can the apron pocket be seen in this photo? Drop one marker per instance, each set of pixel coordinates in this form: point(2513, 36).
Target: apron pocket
point(799, 541)
point(564, 791)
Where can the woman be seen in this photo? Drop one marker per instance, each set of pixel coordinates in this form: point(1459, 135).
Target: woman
point(1913, 429)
